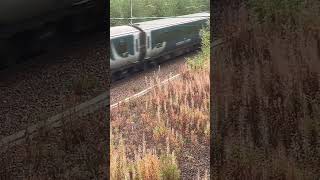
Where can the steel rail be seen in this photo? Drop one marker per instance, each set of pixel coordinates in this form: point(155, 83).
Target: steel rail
point(83, 109)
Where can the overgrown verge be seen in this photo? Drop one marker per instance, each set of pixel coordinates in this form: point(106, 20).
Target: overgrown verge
point(76, 150)
point(267, 92)
point(166, 134)
point(202, 59)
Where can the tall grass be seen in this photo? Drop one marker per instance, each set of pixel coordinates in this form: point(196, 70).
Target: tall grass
point(155, 8)
point(75, 150)
point(145, 165)
point(152, 137)
point(171, 119)
point(267, 97)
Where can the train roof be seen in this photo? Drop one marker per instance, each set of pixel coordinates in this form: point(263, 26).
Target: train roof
point(122, 30)
point(154, 24)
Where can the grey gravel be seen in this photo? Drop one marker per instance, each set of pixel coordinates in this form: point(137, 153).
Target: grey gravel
point(137, 82)
point(46, 85)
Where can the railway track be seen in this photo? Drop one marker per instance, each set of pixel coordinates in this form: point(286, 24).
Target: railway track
point(140, 81)
point(54, 122)
point(51, 83)
point(101, 101)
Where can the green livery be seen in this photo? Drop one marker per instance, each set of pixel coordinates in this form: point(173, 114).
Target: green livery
point(154, 41)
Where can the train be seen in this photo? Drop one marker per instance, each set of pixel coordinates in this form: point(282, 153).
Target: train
point(138, 46)
point(28, 26)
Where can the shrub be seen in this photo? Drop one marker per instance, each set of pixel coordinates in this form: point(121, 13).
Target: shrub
point(169, 167)
point(202, 60)
point(148, 167)
point(118, 161)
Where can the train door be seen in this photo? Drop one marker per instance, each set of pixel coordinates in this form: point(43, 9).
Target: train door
point(148, 45)
point(143, 47)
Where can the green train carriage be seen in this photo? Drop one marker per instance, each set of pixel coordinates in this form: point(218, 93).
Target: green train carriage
point(154, 41)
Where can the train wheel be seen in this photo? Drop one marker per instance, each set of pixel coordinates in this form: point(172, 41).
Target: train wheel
point(166, 57)
point(145, 65)
point(116, 76)
point(139, 67)
point(153, 64)
point(131, 70)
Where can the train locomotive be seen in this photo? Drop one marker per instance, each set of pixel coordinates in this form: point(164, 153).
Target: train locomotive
point(30, 25)
point(137, 46)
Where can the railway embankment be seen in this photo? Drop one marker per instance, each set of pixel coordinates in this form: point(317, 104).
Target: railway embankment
point(166, 133)
point(51, 83)
point(139, 81)
point(39, 139)
point(75, 150)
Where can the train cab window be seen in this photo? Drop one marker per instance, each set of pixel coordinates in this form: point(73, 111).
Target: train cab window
point(148, 42)
point(123, 48)
point(159, 39)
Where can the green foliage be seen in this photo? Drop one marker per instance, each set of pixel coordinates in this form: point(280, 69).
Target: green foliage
point(169, 168)
point(159, 130)
point(202, 59)
point(155, 8)
point(283, 11)
point(205, 42)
